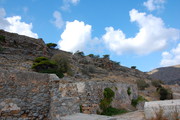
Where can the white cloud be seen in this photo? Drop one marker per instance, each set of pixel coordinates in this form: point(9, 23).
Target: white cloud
point(75, 36)
point(172, 57)
point(152, 35)
point(154, 4)
point(67, 4)
point(14, 24)
point(3, 22)
point(58, 22)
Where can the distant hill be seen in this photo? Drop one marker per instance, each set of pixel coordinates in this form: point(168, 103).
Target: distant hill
point(169, 75)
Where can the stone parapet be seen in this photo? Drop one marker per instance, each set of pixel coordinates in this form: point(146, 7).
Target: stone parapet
point(170, 109)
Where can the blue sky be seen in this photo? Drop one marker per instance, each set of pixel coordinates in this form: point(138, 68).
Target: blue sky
point(142, 33)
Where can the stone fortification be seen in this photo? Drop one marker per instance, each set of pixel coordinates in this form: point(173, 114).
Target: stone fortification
point(30, 95)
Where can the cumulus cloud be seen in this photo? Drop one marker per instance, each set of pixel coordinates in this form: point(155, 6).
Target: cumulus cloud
point(67, 4)
point(75, 36)
point(152, 5)
point(152, 35)
point(58, 22)
point(3, 22)
point(172, 57)
point(15, 25)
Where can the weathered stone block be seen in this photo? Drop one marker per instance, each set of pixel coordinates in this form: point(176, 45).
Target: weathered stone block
point(168, 108)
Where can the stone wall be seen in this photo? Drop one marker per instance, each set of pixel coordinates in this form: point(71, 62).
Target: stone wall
point(170, 109)
point(30, 95)
point(87, 95)
point(24, 95)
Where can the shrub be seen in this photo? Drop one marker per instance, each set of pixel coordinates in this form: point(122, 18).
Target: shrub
point(2, 38)
point(1, 49)
point(156, 83)
point(164, 93)
point(106, 56)
point(133, 67)
point(62, 62)
point(129, 91)
point(51, 45)
point(105, 104)
point(40, 59)
point(113, 111)
point(108, 93)
point(44, 65)
point(91, 55)
point(108, 97)
point(80, 53)
point(134, 102)
point(142, 84)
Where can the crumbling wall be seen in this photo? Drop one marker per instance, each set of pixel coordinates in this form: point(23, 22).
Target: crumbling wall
point(86, 96)
point(24, 95)
point(30, 95)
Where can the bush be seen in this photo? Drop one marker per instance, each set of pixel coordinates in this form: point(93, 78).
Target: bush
point(80, 53)
point(142, 84)
point(108, 97)
point(106, 56)
point(51, 45)
point(108, 93)
point(134, 102)
point(1, 49)
point(113, 111)
point(156, 83)
point(44, 65)
point(129, 91)
point(91, 55)
point(2, 38)
point(62, 62)
point(164, 93)
point(133, 67)
point(40, 59)
point(105, 104)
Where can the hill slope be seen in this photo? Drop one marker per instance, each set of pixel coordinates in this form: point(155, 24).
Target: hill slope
point(169, 75)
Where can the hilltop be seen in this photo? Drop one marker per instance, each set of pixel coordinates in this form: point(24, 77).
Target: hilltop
point(169, 75)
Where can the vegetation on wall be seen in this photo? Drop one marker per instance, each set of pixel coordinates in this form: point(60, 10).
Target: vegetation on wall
point(105, 104)
point(134, 102)
point(129, 91)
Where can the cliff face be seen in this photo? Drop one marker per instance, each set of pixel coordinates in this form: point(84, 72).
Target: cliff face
point(33, 95)
point(169, 75)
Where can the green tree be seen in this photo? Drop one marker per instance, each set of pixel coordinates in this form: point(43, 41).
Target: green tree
point(51, 45)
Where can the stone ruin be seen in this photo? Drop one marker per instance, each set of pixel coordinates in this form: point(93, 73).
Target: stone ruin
point(169, 109)
point(30, 95)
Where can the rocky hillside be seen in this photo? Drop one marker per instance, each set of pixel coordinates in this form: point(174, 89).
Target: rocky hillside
point(169, 75)
point(18, 53)
point(81, 88)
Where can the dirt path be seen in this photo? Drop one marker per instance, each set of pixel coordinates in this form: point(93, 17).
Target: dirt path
point(137, 115)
